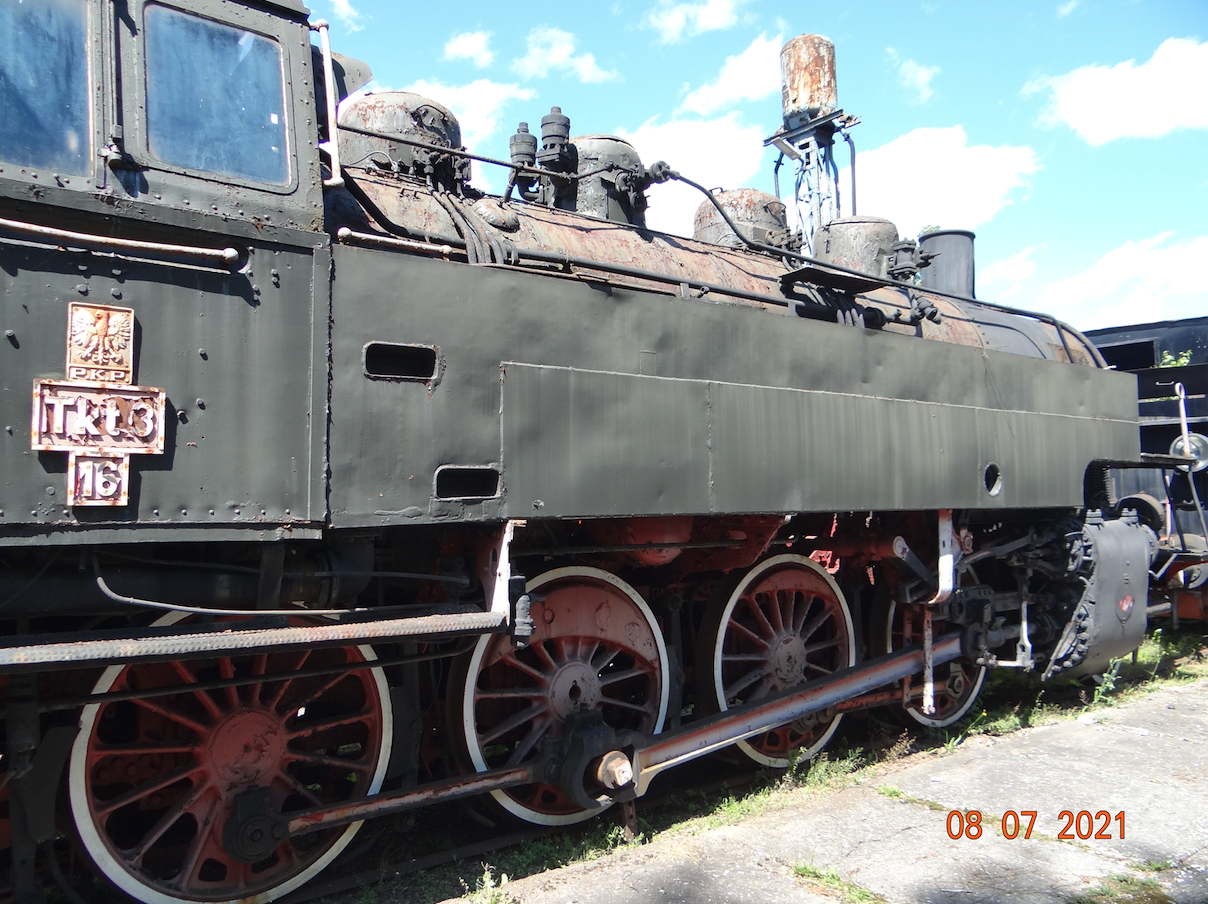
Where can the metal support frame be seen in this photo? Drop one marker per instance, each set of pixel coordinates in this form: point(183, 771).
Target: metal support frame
point(947, 581)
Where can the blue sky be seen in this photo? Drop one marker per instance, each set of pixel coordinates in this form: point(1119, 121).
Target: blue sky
point(1070, 135)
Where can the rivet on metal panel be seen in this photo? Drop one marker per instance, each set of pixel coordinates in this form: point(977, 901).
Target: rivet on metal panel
point(202, 353)
point(201, 403)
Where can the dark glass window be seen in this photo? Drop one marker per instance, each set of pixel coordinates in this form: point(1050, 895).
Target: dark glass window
point(44, 85)
point(215, 97)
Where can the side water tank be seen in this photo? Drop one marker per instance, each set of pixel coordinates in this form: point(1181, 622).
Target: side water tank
point(858, 243)
point(759, 215)
point(951, 270)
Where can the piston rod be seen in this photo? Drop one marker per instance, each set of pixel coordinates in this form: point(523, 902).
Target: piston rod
point(664, 752)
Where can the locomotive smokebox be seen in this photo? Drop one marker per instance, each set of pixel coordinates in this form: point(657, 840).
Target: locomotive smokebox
point(807, 79)
point(952, 270)
point(759, 215)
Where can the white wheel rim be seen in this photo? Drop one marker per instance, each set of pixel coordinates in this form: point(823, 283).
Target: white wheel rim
point(917, 714)
point(757, 572)
point(117, 873)
point(469, 726)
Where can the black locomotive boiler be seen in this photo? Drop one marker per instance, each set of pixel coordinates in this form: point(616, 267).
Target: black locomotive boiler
point(332, 487)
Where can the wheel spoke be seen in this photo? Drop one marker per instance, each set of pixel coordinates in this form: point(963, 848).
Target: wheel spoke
point(506, 693)
point(306, 729)
point(753, 606)
point(258, 666)
point(226, 668)
point(184, 879)
point(334, 762)
point(319, 692)
point(743, 629)
point(524, 666)
point(746, 681)
point(609, 654)
point(777, 617)
point(541, 651)
point(815, 623)
point(513, 722)
point(147, 788)
point(186, 802)
point(647, 708)
point(623, 675)
point(202, 697)
point(102, 752)
point(275, 700)
point(744, 657)
point(166, 713)
point(298, 788)
point(535, 734)
point(824, 645)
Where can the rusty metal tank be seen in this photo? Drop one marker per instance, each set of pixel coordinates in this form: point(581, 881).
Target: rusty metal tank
point(401, 113)
point(807, 78)
point(859, 243)
point(601, 160)
point(759, 215)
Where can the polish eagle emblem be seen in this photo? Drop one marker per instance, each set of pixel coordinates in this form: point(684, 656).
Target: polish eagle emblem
point(100, 335)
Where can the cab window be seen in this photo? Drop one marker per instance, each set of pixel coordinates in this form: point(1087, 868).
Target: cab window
point(44, 101)
point(215, 97)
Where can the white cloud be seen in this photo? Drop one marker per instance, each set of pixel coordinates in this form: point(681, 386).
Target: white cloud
point(477, 105)
point(347, 14)
point(914, 76)
point(673, 20)
point(935, 177)
point(1139, 282)
point(751, 75)
point(1103, 103)
point(1066, 8)
point(1013, 269)
point(714, 152)
point(554, 49)
point(474, 46)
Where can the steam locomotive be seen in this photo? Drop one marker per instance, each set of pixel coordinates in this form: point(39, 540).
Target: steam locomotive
point(344, 488)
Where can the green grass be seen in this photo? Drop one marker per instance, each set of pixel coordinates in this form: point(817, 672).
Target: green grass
point(1124, 890)
point(830, 882)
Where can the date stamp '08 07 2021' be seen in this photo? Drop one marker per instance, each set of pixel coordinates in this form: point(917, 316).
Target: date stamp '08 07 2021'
point(1082, 825)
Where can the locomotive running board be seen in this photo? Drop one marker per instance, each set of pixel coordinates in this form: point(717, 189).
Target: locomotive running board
point(663, 752)
point(199, 641)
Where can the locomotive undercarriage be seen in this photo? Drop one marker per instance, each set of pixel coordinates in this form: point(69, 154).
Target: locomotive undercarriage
point(220, 772)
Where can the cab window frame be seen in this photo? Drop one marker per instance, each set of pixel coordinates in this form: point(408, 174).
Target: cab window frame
point(96, 67)
point(133, 82)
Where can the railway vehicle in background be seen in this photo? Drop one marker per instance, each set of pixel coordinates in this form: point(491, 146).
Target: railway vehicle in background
point(333, 487)
point(1170, 360)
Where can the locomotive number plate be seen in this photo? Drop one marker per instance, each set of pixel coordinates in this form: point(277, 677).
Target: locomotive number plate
point(98, 479)
point(98, 418)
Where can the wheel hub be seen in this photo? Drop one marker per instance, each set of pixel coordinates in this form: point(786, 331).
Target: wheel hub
point(245, 746)
point(788, 660)
point(575, 688)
